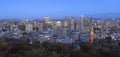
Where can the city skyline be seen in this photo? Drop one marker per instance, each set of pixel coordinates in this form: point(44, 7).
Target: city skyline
point(59, 28)
point(32, 9)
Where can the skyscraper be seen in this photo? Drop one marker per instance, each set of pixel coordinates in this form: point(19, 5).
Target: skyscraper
point(87, 21)
point(90, 21)
point(41, 25)
point(29, 27)
point(72, 23)
point(82, 20)
point(46, 19)
point(77, 26)
point(65, 21)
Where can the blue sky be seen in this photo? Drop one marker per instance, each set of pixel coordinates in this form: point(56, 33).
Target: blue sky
point(31, 9)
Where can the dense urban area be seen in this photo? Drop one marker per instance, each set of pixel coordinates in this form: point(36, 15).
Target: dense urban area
point(68, 37)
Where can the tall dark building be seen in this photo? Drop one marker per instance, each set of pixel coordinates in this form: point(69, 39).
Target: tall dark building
point(65, 21)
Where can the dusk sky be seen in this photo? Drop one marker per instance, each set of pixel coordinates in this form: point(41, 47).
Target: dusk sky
point(31, 9)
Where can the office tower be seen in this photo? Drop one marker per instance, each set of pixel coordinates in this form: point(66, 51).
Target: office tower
point(29, 27)
point(92, 35)
point(95, 24)
point(119, 22)
point(58, 24)
point(72, 23)
point(87, 21)
point(82, 20)
point(35, 25)
point(90, 21)
point(87, 24)
point(58, 27)
point(41, 25)
point(44, 25)
point(65, 21)
point(79, 22)
point(46, 19)
point(77, 26)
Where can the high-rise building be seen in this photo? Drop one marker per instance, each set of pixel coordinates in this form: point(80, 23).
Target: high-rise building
point(87, 24)
point(58, 23)
point(90, 21)
point(77, 26)
point(57, 27)
point(72, 23)
point(92, 35)
point(65, 21)
point(82, 20)
point(41, 25)
point(29, 27)
point(87, 21)
point(46, 19)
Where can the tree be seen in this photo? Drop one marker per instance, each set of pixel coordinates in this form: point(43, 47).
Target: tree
point(15, 46)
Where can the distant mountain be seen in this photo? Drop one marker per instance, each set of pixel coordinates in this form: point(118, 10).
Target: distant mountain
point(107, 15)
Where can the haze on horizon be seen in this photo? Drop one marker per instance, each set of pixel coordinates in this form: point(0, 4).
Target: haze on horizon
point(31, 9)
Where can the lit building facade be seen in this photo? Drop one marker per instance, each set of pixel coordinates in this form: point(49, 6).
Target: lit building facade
point(72, 23)
point(65, 21)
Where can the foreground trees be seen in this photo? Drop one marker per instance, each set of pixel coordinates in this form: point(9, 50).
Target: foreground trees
point(22, 48)
point(13, 47)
